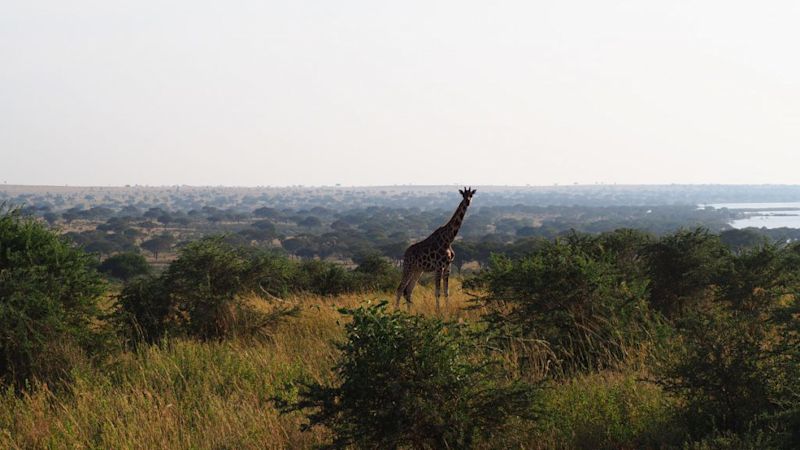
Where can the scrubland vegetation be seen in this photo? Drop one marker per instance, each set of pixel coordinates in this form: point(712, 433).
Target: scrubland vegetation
point(344, 224)
point(622, 339)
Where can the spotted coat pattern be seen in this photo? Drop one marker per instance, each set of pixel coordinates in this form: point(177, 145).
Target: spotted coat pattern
point(433, 254)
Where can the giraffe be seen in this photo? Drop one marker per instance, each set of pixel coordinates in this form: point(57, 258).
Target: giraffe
point(433, 254)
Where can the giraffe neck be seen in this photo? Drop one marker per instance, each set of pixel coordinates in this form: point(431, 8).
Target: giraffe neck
point(450, 229)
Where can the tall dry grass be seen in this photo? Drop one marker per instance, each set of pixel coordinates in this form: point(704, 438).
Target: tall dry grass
point(184, 394)
point(188, 394)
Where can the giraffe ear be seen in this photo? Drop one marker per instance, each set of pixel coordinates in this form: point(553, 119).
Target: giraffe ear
point(461, 192)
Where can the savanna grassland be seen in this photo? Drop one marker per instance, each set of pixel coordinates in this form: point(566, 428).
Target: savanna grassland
point(183, 394)
point(616, 339)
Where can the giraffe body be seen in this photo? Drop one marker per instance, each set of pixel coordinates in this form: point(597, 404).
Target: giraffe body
point(433, 254)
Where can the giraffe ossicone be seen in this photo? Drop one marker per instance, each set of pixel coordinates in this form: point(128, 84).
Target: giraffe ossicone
point(433, 254)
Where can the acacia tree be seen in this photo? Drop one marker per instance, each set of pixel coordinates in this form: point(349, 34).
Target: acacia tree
point(158, 244)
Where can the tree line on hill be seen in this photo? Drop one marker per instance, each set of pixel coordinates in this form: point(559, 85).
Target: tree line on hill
point(349, 234)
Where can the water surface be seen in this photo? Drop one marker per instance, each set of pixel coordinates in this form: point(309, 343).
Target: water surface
point(763, 215)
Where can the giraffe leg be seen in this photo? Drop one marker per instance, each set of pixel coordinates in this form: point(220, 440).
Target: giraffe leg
point(446, 278)
point(438, 288)
point(412, 283)
point(401, 289)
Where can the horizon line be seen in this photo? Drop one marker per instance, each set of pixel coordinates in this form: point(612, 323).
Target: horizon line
point(375, 186)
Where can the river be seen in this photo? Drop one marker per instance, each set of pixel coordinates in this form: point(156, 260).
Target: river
point(763, 215)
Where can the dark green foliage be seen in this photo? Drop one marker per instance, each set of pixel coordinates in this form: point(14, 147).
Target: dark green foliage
point(732, 356)
point(627, 249)
point(327, 278)
point(376, 273)
point(324, 278)
point(719, 369)
point(578, 295)
point(265, 225)
point(755, 278)
point(271, 274)
point(125, 266)
point(682, 266)
point(736, 374)
point(159, 244)
point(412, 381)
point(310, 221)
point(146, 310)
point(201, 294)
point(261, 230)
point(266, 212)
point(49, 294)
point(736, 359)
point(738, 240)
point(204, 281)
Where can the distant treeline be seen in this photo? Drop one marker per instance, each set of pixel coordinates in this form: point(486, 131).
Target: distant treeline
point(344, 224)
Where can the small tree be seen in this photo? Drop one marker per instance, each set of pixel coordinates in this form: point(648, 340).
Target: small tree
point(49, 294)
point(50, 217)
point(310, 222)
point(570, 295)
point(265, 225)
point(125, 266)
point(206, 282)
point(271, 274)
point(375, 272)
point(158, 244)
point(100, 246)
point(682, 266)
point(265, 211)
point(412, 381)
point(735, 360)
point(201, 294)
point(165, 219)
point(323, 278)
point(146, 311)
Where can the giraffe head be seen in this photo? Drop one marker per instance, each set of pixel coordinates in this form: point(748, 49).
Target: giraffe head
point(467, 193)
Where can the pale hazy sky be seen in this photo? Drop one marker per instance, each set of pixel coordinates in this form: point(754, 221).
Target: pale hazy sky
point(409, 92)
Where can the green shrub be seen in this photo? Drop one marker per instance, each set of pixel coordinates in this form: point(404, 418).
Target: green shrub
point(327, 278)
point(323, 278)
point(146, 311)
point(571, 295)
point(412, 381)
point(201, 294)
point(271, 274)
point(204, 282)
point(376, 273)
point(49, 294)
point(718, 368)
point(736, 362)
point(682, 266)
point(125, 266)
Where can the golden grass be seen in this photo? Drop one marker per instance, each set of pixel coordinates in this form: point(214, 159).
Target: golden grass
point(185, 394)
